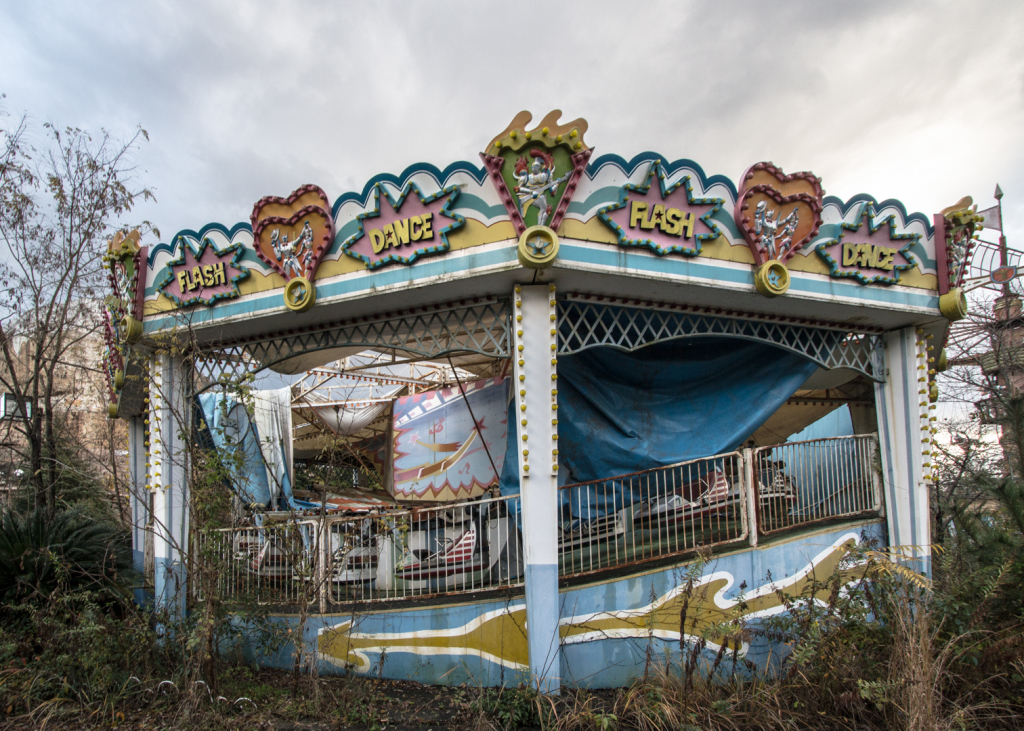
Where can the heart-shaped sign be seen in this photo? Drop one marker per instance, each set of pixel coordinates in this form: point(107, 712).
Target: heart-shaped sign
point(293, 234)
point(778, 213)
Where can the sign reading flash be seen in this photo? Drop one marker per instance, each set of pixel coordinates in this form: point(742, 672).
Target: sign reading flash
point(204, 276)
point(667, 219)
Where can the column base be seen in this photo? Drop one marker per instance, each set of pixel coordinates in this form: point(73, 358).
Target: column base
point(542, 615)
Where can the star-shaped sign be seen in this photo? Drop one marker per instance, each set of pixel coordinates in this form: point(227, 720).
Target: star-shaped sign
point(869, 250)
point(400, 231)
point(667, 219)
point(205, 276)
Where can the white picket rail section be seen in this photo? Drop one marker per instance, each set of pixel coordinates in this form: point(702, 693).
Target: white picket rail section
point(330, 561)
point(652, 514)
point(818, 480)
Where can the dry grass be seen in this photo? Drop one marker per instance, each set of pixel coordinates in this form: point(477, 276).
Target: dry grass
point(874, 648)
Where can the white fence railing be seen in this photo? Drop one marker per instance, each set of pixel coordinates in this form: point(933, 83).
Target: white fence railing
point(335, 560)
point(652, 514)
point(823, 479)
point(329, 561)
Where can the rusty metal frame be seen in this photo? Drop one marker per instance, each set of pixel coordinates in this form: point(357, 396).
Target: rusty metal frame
point(740, 506)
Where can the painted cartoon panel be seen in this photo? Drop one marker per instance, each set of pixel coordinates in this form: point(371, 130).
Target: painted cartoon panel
point(448, 446)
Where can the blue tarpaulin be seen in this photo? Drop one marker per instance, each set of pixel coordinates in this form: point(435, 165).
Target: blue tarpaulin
point(228, 428)
point(621, 412)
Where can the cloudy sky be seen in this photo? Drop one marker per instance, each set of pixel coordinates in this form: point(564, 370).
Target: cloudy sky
point(920, 101)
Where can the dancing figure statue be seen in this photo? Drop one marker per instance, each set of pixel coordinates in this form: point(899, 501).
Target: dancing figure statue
point(775, 235)
point(535, 181)
point(124, 286)
point(293, 256)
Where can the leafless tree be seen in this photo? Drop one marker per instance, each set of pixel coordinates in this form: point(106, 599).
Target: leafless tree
point(60, 201)
point(985, 385)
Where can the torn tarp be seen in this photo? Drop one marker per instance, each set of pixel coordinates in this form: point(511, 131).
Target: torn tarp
point(258, 464)
point(621, 412)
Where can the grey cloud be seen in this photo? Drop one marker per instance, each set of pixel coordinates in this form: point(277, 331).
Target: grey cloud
point(915, 100)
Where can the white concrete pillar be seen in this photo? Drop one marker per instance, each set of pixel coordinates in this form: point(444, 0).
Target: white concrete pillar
point(905, 441)
point(750, 495)
point(169, 424)
point(536, 385)
point(138, 495)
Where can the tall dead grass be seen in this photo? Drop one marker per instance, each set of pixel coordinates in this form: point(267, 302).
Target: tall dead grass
point(868, 647)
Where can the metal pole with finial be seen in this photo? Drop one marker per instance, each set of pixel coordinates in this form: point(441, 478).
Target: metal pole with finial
point(1003, 256)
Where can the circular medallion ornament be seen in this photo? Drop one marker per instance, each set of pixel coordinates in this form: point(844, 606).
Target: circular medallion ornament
point(538, 247)
point(771, 278)
point(953, 305)
point(299, 294)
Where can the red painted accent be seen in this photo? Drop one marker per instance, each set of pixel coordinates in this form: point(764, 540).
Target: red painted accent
point(319, 249)
point(141, 264)
point(296, 194)
point(494, 164)
point(579, 161)
point(941, 254)
point(745, 193)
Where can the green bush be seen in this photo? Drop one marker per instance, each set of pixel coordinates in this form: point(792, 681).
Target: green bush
point(77, 649)
point(70, 551)
point(510, 707)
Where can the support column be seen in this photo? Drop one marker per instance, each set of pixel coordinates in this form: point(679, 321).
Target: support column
point(750, 495)
point(138, 495)
point(169, 419)
point(537, 410)
point(905, 441)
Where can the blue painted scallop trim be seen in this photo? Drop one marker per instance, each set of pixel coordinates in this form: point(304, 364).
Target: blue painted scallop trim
point(645, 158)
point(479, 174)
point(463, 166)
point(199, 236)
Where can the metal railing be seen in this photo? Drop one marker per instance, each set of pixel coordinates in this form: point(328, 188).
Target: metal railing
point(262, 564)
point(334, 560)
point(798, 483)
point(438, 550)
point(652, 514)
point(328, 561)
